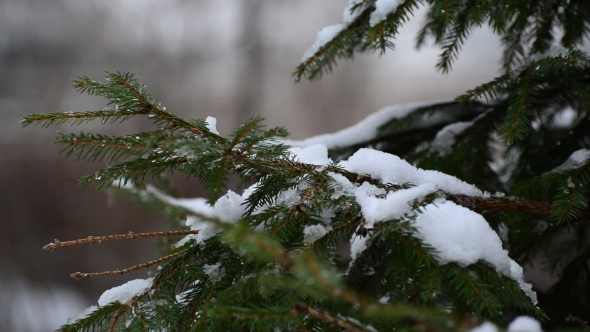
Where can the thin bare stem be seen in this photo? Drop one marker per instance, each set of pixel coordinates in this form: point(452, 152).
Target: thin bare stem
point(80, 275)
point(56, 244)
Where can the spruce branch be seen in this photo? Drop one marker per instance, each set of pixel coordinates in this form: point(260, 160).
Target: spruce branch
point(96, 147)
point(341, 46)
point(571, 200)
point(490, 91)
point(519, 113)
point(121, 312)
point(512, 39)
point(78, 118)
point(97, 320)
point(452, 43)
point(379, 36)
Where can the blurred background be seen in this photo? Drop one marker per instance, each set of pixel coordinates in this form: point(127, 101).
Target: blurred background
point(231, 59)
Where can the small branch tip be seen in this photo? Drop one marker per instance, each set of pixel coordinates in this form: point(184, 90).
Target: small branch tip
point(78, 275)
point(49, 247)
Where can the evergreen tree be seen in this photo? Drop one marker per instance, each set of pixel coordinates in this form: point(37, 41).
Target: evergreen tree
point(507, 160)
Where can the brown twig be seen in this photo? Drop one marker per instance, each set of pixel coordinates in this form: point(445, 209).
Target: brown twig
point(80, 275)
point(56, 244)
point(303, 308)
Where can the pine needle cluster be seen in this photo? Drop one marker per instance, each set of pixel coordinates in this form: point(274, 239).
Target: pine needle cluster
point(260, 270)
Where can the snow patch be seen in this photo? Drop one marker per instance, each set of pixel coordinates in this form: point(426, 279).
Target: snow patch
point(315, 154)
point(82, 314)
point(212, 124)
point(324, 36)
point(125, 292)
point(328, 33)
point(445, 138)
point(214, 271)
point(485, 327)
point(393, 206)
point(389, 168)
point(525, 324)
point(362, 131)
point(462, 236)
point(575, 160)
point(382, 9)
point(313, 232)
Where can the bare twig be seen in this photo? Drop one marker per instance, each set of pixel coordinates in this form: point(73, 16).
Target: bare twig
point(80, 275)
point(56, 244)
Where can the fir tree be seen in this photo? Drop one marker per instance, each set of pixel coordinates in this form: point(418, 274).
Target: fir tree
point(424, 255)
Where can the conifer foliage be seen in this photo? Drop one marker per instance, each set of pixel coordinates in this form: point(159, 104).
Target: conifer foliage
point(440, 204)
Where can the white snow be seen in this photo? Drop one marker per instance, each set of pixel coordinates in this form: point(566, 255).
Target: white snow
point(517, 273)
point(394, 205)
point(315, 154)
point(445, 138)
point(382, 9)
point(524, 324)
point(328, 33)
point(564, 118)
point(215, 272)
point(212, 124)
point(82, 314)
point(324, 36)
point(485, 327)
point(553, 52)
point(463, 236)
point(313, 232)
point(364, 130)
point(519, 324)
point(228, 208)
point(125, 292)
point(357, 245)
point(389, 168)
point(575, 160)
